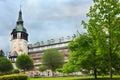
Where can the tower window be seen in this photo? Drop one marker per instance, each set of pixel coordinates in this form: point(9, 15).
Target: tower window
point(24, 36)
point(14, 36)
point(19, 35)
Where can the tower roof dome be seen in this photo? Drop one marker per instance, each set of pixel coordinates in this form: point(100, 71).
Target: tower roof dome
point(19, 31)
point(20, 28)
point(19, 24)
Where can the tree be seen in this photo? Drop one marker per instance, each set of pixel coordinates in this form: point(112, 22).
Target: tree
point(24, 62)
point(1, 53)
point(103, 25)
point(60, 70)
point(42, 68)
point(53, 59)
point(69, 67)
point(86, 57)
point(83, 55)
point(5, 65)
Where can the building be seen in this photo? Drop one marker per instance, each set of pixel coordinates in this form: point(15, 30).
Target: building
point(19, 39)
point(19, 44)
point(36, 50)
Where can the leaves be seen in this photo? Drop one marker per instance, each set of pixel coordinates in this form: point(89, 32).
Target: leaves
point(53, 59)
point(102, 41)
point(5, 65)
point(24, 62)
point(82, 54)
point(1, 53)
point(42, 68)
point(103, 27)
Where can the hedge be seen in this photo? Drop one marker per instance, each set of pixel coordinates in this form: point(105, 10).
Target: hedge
point(14, 77)
point(14, 71)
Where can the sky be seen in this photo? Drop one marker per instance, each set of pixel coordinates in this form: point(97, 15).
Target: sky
point(43, 19)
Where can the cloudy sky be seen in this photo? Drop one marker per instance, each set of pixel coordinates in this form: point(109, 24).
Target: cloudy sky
point(43, 19)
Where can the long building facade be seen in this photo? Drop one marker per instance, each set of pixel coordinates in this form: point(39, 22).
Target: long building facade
point(36, 50)
point(19, 45)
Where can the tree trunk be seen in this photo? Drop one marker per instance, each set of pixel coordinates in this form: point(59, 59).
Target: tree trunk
point(110, 50)
point(95, 72)
point(110, 63)
point(94, 66)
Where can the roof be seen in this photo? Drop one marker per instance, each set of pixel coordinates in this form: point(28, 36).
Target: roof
point(19, 24)
point(13, 54)
point(30, 46)
point(40, 51)
point(20, 28)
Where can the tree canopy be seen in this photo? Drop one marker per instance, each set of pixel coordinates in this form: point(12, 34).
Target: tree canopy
point(42, 68)
point(53, 59)
point(103, 26)
point(5, 65)
point(99, 50)
point(82, 55)
point(2, 53)
point(24, 62)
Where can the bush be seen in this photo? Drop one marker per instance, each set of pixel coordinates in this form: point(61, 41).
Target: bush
point(5, 73)
point(15, 71)
point(5, 65)
point(14, 77)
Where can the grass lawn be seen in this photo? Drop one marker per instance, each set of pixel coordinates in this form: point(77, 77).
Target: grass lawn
point(77, 78)
point(58, 78)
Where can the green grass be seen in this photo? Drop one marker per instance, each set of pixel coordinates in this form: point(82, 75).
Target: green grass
point(77, 78)
point(60, 78)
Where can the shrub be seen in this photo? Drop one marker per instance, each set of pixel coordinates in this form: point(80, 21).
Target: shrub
point(14, 77)
point(15, 71)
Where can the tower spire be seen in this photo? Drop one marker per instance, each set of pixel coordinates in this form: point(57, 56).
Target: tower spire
point(20, 20)
point(20, 6)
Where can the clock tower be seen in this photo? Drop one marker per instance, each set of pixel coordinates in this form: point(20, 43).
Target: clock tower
point(19, 39)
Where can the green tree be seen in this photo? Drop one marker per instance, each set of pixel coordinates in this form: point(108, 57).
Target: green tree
point(60, 70)
point(53, 59)
point(69, 67)
point(83, 55)
point(5, 65)
point(103, 26)
point(42, 68)
point(24, 62)
point(1, 53)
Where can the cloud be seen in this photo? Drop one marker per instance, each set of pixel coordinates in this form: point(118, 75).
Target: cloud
point(56, 8)
point(48, 16)
point(43, 19)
